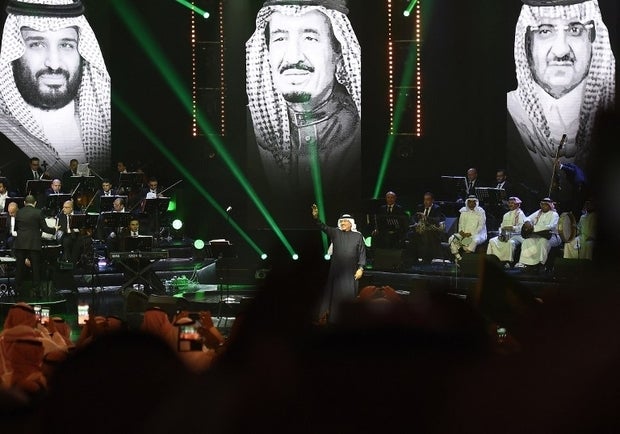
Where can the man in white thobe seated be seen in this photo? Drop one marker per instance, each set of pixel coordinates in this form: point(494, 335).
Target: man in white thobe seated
point(503, 246)
point(540, 234)
point(582, 245)
point(472, 229)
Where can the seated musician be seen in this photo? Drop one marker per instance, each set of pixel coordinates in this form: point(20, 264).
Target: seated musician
point(581, 247)
point(427, 230)
point(109, 234)
point(390, 224)
point(472, 230)
point(133, 230)
point(70, 237)
point(503, 246)
point(540, 234)
point(9, 233)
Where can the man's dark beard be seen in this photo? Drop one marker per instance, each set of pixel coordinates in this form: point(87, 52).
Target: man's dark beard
point(297, 97)
point(52, 100)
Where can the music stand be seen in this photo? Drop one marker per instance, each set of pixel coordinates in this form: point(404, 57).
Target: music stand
point(130, 179)
point(54, 202)
point(18, 200)
point(454, 186)
point(106, 203)
point(36, 187)
point(156, 207)
point(490, 195)
point(85, 183)
point(140, 243)
point(225, 254)
point(115, 219)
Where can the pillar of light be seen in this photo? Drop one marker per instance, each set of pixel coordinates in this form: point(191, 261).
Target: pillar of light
point(418, 73)
point(194, 8)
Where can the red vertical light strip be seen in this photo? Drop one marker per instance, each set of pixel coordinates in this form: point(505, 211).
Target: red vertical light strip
point(222, 81)
point(194, 84)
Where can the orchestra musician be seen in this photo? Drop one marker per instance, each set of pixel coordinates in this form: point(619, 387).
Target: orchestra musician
point(503, 246)
point(427, 230)
point(540, 233)
point(70, 236)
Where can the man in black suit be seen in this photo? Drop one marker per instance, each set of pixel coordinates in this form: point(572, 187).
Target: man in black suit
point(29, 223)
point(33, 172)
point(427, 230)
point(71, 239)
point(390, 224)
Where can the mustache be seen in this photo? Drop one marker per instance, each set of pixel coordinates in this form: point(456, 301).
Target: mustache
point(50, 71)
point(568, 57)
point(298, 65)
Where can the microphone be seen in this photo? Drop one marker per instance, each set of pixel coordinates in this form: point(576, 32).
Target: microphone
point(229, 209)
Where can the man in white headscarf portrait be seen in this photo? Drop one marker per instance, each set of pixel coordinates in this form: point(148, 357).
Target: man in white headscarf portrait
point(303, 66)
point(565, 71)
point(54, 85)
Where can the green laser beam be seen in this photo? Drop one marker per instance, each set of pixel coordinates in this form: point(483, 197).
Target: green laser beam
point(194, 8)
point(407, 11)
point(144, 37)
point(399, 110)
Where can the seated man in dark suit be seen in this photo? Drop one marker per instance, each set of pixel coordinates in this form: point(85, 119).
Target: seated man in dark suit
point(390, 224)
point(133, 230)
point(427, 230)
point(71, 239)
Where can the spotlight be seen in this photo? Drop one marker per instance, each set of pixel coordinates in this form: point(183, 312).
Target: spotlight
point(406, 13)
point(206, 15)
point(327, 257)
point(263, 256)
point(199, 244)
point(177, 224)
point(295, 256)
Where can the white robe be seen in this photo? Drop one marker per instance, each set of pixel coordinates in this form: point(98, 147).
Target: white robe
point(582, 245)
point(471, 221)
point(535, 250)
point(504, 250)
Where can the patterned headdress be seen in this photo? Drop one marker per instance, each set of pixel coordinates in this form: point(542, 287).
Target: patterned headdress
point(267, 106)
point(599, 83)
point(93, 100)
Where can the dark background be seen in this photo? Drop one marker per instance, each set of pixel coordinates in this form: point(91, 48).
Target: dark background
point(467, 68)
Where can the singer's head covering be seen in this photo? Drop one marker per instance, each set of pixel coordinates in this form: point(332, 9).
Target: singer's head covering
point(347, 217)
point(515, 199)
point(93, 101)
point(267, 106)
point(600, 85)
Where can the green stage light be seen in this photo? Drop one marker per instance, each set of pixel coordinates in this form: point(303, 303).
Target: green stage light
point(327, 256)
point(177, 224)
point(199, 244)
point(263, 256)
point(132, 20)
point(407, 11)
point(295, 256)
point(194, 8)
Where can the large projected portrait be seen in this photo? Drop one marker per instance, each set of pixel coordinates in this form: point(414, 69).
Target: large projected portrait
point(303, 66)
point(565, 72)
point(54, 86)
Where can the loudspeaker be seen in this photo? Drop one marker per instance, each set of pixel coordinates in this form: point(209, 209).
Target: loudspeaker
point(387, 259)
point(571, 268)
